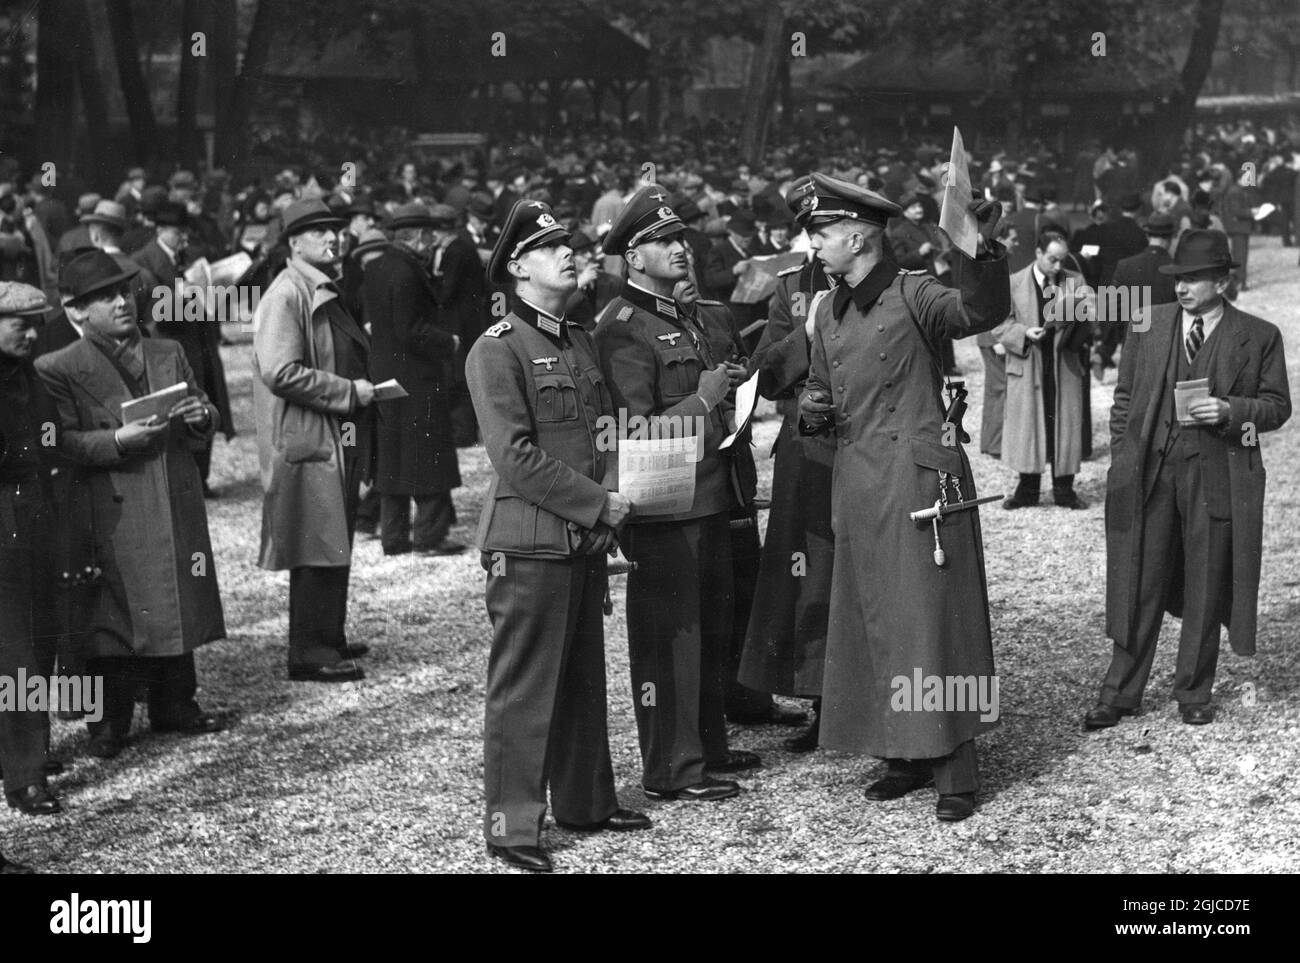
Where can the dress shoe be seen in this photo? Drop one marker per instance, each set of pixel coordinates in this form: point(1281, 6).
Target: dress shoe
point(773, 715)
point(1069, 500)
point(898, 783)
point(1020, 500)
point(55, 767)
point(355, 650)
point(1103, 716)
point(445, 547)
point(367, 531)
point(403, 550)
point(707, 790)
point(199, 724)
point(736, 760)
point(623, 820)
point(532, 858)
point(955, 807)
point(807, 740)
point(13, 869)
point(345, 671)
point(34, 801)
point(105, 745)
point(1197, 715)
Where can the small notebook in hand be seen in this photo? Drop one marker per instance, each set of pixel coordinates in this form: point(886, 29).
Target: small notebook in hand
point(1186, 392)
point(389, 390)
point(157, 404)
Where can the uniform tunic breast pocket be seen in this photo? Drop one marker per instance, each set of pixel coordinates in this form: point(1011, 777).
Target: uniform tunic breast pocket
point(557, 398)
point(681, 368)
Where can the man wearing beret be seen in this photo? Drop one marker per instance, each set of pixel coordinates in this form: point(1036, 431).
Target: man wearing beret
point(157, 599)
point(416, 450)
point(549, 520)
point(1188, 488)
point(659, 363)
point(312, 398)
point(24, 577)
point(899, 610)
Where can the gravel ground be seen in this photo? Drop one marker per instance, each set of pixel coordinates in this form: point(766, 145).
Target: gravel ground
point(385, 775)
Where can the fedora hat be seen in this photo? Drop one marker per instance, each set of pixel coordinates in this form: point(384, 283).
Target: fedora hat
point(413, 214)
point(1200, 251)
point(308, 213)
point(371, 239)
point(107, 212)
point(91, 272)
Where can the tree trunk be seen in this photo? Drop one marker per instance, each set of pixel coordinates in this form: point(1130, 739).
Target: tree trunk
point(187, 91)
point(56, 88)
point(225, 56)
point(1165, 131)
point(761, 89)
point(101, 164)
point(139, 108)
point(257, 54)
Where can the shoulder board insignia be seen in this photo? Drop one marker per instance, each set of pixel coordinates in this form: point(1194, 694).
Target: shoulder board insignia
point(913, 272)
point(718, 304)
point(498, 329)
point(625, 312)
point(793, 269)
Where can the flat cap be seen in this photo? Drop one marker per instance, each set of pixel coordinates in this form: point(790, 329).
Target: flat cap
point(530, 224)
point(372, 239)
point(410, 215)
point(1160, 224)
point(18, 299)
point(833, 199)
point(645, 217)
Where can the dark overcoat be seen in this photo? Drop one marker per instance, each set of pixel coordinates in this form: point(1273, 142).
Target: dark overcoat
point(1250, 372)
point(417, 452)
point(785, 647)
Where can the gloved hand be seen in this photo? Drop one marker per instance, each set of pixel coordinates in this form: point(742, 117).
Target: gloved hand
point(815, 407)
point(989, 216)
point(713, 386)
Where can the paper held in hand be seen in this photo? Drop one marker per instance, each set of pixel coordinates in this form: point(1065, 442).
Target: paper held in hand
point(389, 390)
point(759, 278)
point(955, 218)
point(658, 474)
point(1186, 392)
point(156, 404)
point(746, 402)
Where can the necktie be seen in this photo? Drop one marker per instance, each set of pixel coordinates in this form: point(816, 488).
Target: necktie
point(1195, 338)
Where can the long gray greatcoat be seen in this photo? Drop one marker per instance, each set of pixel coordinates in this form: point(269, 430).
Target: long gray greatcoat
point(1250, 372)
point(158, 595)
point(297, 401)
point(1024, 429)
point(893, 611)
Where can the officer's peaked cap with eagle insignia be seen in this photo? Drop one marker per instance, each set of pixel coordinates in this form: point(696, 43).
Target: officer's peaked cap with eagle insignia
point(645, 217)
point(531, 224)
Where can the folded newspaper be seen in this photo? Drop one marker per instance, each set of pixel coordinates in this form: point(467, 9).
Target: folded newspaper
point(156, 404)
point(658, 474)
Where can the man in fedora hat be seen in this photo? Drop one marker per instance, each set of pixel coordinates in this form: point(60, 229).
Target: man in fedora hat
point(106, 225)
point(547, 524)
point(312, 398)
point(165, 258)
point(416, 451)
point(157, 599)
point(78, 236)
point(1185, 492)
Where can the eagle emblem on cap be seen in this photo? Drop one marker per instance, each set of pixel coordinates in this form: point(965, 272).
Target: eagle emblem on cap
point(545, 220)
point(666, 212)
point(810, 202)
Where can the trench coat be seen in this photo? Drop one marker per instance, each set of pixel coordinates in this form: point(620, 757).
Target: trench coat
point(416, 450)
point(298, 401)
point(785, 646)
point(892, 609)
point(1024, 428)
point(158, 595)
point(1250, 372)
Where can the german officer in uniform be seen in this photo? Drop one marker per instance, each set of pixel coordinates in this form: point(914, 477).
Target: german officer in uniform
point(901, 613)
point(547, 524)
point(786, 643)
point(658, 362)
